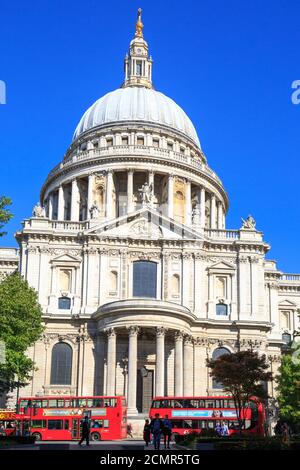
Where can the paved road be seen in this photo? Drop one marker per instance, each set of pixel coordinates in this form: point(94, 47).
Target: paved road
point(130, 444)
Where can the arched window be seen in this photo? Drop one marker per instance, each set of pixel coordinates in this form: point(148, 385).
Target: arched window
point(61, 364)
point(221, 309)
point(64, 303)
point(216, 354)
point(144, 279)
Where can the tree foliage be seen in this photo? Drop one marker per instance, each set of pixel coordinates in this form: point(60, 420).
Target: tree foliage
point(243, 374)
point(288, 386)
point(5, 214)
point(20, 327)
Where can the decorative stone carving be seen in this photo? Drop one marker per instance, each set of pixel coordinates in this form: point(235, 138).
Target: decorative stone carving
point(94, 211)
point(160, 331)
point(196, 215)
point(143, 228)
point(39, 211)
point(133, 330)
point(146, 194)
point(249, 223)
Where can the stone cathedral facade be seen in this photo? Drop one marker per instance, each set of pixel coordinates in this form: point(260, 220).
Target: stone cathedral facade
point(138, 278)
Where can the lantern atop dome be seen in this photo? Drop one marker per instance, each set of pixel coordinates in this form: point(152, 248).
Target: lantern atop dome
point(138, 63)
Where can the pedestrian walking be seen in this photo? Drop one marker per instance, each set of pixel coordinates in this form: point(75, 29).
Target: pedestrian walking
point(147, 432)
point(167, 431)
point(85, 432)
point(156, 429)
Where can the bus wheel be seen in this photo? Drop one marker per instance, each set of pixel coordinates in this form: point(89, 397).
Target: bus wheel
point(95, 436)
point(37, 436)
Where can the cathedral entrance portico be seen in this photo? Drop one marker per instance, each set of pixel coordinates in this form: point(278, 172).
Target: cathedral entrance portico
point(144, 362)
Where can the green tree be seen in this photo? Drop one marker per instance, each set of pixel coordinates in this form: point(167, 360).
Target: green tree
point(20, 327)
point(5, 214)
point(243, 374)
point(288, 386)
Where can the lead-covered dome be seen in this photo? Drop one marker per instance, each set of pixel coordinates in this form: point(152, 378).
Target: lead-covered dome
point(137, 104)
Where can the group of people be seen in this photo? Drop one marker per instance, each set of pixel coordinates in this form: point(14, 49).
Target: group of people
point(157, 428)
point(221, 429)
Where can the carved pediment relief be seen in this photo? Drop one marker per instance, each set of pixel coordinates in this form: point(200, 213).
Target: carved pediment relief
point(145, 223)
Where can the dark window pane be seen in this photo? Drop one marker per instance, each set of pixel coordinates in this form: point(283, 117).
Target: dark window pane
point(216, 354)
point(55, 424)
point(61, 364)
point(144, 279)
point(221, 309)
point(64, 303)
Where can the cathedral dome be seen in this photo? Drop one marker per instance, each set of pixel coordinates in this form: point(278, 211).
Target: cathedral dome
point(137, 104)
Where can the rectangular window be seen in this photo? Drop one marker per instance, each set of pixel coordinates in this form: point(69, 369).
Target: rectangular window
point(170, 146)
point(144, 279)
point(55, 424)
point(221, 309)
point(52, 404)
point(124, 140)
point(155, 142)
point(140, 141)
point(38, 423)
point(109, 142)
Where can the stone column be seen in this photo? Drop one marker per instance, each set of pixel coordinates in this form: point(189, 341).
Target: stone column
point(132, 369)
point(188, 366)
point(61, 204)
point(202, 207)
point(151, 182)
point(50, 210)
point(130, 202)
point(91, 180)
point(178, 364)
point(170, 196)
point(220, 215)
point(75, 201)
point(160, 361)
point(111, 362)
point(109, 195)
point(213, 211)
point(188, 203)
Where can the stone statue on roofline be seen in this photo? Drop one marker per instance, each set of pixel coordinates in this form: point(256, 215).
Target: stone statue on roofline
point(249, 223)
point(94, 211)
point(39, 211)
point(146, 194)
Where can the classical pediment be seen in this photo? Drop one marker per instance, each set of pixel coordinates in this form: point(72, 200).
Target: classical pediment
point(144, 223)
point(287, 304)
point(222, 266)
point(65, 259)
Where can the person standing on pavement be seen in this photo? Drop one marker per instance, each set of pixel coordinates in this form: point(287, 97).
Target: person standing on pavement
point(85, 432)
point(156, 429)
point(147, 432)
point(167, 431)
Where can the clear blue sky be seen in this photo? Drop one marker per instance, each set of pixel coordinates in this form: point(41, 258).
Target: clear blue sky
point(228, 63)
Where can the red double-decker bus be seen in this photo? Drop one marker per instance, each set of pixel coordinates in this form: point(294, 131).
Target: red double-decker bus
point(7, 422)
point(60, 418)
point(193, 414)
